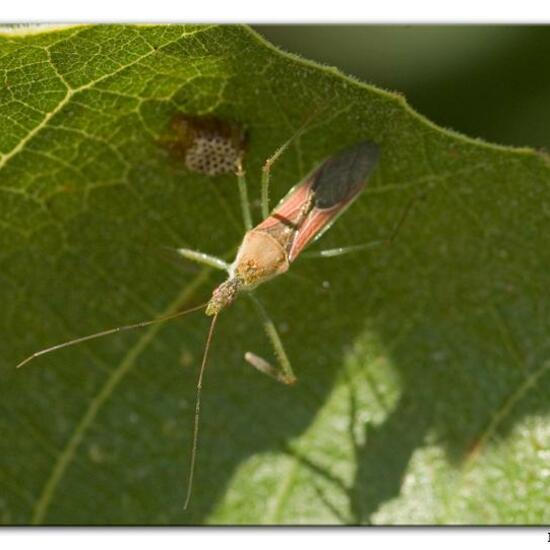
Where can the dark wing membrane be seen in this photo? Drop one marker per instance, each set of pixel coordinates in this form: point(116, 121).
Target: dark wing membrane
point(337, 182)
point(343, 175)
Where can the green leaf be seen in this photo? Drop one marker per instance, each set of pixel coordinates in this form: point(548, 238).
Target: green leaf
point(422, 366)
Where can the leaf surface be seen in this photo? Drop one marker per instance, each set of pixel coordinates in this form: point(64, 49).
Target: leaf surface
point(421, 365)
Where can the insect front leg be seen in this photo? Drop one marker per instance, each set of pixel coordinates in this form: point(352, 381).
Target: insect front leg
point(284, 373)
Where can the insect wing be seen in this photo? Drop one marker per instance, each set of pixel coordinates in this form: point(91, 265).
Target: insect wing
point(335, 185)
point(290, 211)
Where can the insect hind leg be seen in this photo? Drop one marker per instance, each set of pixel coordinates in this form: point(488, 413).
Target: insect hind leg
point(243, 193)
point(265, 367)
point(266, 170)
point(284, 373)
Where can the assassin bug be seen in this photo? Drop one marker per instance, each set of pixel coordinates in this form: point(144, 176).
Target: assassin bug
point(269, 248)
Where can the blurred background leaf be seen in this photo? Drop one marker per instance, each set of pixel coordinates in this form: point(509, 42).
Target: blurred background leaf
point(422, 366)
point(485, 81)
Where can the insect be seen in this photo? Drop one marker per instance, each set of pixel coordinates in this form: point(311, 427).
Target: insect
point(268, 249)
point(208, 145)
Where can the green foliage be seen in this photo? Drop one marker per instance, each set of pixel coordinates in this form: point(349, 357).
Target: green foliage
point(487, 81)
point(422, 365)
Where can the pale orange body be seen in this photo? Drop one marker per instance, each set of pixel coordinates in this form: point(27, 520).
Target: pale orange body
point(303, 215)
point(265, 250)
point(260, 258)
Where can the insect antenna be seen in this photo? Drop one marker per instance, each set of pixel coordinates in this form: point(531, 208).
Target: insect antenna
point(197, 413)
point(402, 219)
point(109, 331)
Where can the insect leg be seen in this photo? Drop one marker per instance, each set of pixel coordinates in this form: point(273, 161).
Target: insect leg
point(284, 373)
point(243, 192)
point(266, 170)
point(332, 252)
point(266, 175)
point(202, 258)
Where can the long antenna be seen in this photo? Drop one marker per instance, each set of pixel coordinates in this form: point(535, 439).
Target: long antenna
point(197, 414)
point(107, 332)
point(403, 218)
